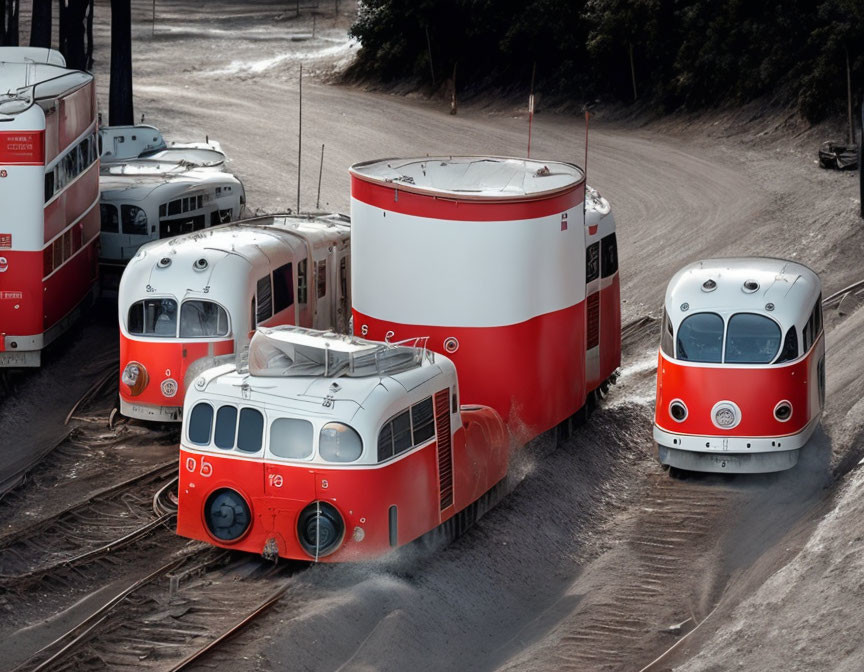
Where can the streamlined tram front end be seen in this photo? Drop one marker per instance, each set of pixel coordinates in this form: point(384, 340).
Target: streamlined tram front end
point(741, 368)
point(331, 448)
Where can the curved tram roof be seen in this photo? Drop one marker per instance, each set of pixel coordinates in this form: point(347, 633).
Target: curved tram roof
point(485, 178)
point(789, 287)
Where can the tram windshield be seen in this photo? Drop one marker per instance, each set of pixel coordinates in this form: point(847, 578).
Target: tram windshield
point(752, 339)
point(153, 317)
point(200, 319)
point(700, 338)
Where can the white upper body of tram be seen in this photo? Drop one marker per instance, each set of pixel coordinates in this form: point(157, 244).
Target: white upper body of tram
point(187, 300)
point(152, 189)
point(49, 222)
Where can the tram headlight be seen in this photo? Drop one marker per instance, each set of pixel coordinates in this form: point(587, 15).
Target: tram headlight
point(783, 411)
point(135, 377)
point(320, 529)
point(725, 415)
point(678, 410)
point(227, 514)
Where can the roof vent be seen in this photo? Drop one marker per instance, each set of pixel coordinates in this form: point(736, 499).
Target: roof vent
point(769, 307)
point(709, 285)
point(164, 262)
point(750, 286)
point(200, 264)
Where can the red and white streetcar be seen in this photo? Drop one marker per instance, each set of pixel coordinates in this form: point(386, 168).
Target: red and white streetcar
point(495, 260)
point(49, 190)
point(331, 448)
point(491, 286)
point(741, 370)
point(185, 301)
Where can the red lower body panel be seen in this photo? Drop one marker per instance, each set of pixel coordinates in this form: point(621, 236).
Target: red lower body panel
point(532, 373)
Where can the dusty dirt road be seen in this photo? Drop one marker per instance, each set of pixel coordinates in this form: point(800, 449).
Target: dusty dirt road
point(595, 554)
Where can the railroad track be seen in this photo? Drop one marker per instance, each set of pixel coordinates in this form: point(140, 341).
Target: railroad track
point(103, 523)
point(172, 617)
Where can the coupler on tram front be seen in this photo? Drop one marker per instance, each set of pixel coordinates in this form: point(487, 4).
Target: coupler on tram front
point(741, 367)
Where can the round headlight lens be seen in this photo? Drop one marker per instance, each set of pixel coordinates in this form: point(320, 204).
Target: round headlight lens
point(678, 410)
point(783, 411)
point(227, 514)
point(725, 415)
point(135, 377)
point(320, 529)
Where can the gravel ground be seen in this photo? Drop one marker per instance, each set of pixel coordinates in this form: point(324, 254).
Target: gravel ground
point(558, 575)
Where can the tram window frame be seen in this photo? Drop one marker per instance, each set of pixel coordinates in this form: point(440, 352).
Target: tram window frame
point(757, 319)
point(303, 281)
point(152, 333)
point(347, 434)
point(592, 262)
point(689, 358)
point(232, 426)
point(257, 434)
point(294, 427)
point(667, 336)
point(789, 349)
point(192, 418)
point(49, 185)
point(283, 287)
point(389, 434)
point(263, 299)
point(221, 315)
point(114, 226)
point(128, 216)
point(608, 255)
point(321, 278)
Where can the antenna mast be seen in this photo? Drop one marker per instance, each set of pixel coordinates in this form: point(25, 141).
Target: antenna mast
point(299, 136)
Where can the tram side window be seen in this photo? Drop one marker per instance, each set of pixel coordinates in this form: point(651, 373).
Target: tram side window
point(406, 430)
point(153, 317)
point(291, 438)
point(250, 430)
point(608, 255)
point(667, 342)
point(226, 427)
point(202, 319)
point(422, 421)
point(283, 288)
point(814, 325)
point(321, 275)
point(700, 338)
point(264, 310)
point(790, 346)
point(134, 220)
point(200, 424)
point(302, 281)
point(592, 262)
point(751, 339)
point(109, 218)
point(49, 185)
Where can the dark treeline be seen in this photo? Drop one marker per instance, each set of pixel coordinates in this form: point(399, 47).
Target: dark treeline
point(666, 53)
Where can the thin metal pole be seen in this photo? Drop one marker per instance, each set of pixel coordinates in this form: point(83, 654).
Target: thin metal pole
point(153, 24)
point(299, 137)
point(320, 173)
point(586, 144)
point(429, 50)
point(861, 161)
point(531, 107)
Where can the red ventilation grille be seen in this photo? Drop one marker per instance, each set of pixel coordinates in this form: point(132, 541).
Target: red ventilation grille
point(592, 335)
point(445, 455)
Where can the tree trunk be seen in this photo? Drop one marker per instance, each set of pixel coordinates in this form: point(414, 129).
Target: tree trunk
point(40, 30)
point(72, 31)
point(88, 51)
point(120, 109)
point(9, 33)
point(849, 98)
